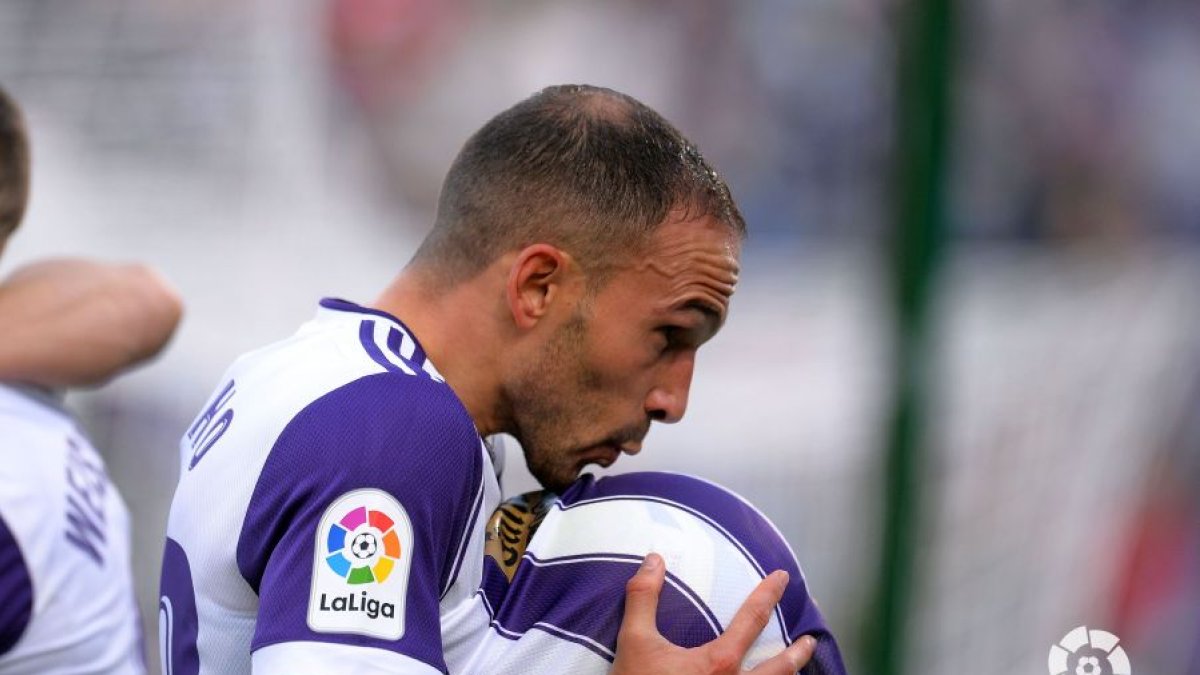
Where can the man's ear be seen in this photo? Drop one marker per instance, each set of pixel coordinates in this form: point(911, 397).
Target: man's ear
point(535, 280)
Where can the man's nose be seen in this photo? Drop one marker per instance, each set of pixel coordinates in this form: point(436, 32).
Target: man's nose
point(667, 400)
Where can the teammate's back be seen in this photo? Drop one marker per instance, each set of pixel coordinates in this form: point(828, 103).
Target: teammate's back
point(67, 593)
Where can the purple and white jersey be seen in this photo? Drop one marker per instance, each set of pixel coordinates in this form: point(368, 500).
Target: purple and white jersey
point(66, 592)
point(563, 609)
point(330, 511)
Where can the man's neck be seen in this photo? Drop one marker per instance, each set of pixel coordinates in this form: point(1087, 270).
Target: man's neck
point(457, 332)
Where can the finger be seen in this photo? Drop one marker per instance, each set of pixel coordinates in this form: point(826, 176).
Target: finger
point(641, 596)
point(789, 660)
point(754, 614)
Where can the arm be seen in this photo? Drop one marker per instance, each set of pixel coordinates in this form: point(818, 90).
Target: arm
point(353, 529)
point(71, 322)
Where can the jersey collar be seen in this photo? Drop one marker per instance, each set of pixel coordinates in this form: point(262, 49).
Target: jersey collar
point(340, 305)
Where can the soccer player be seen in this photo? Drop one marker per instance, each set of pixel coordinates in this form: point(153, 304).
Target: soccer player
point(68, 604)
point(335, 489)
point(558, 568)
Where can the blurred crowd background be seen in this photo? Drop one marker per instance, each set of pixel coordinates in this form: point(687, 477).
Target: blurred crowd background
point(266, 153)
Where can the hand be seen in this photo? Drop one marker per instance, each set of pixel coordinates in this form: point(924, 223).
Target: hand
point(641, 649)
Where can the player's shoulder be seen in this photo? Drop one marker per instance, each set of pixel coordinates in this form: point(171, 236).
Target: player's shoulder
point(695, 524)
point(381, 444)
point(29, 415)
point(354, 377)
point(663, 486)
point(676, 498)
point(398, 396)
point(588, 542)
point(385, 415)
point(375, 405)
point(39, 445)
point(717, 546)
point(385, 424)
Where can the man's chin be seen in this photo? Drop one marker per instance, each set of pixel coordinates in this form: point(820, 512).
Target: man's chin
point(555, 485)
point(554, 481)
point(562, 469)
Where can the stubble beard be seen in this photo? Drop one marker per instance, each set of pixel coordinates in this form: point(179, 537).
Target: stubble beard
point(546, 401)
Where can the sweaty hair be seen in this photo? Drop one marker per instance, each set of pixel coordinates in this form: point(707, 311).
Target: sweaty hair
point(587, 169)
point(14, 167)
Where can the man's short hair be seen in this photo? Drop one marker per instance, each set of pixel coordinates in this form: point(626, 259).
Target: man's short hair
point(14, 166)
point(590, 170)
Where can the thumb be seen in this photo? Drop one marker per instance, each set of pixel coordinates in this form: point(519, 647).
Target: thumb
point(641, 596)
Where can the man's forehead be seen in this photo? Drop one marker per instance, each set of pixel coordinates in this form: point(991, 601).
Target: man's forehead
point(678, 247)
point(690, 265)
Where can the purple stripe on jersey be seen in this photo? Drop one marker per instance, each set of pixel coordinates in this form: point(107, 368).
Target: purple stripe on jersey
point(779, 609)
point(586, 598)
point(395, 340)
point(600, 650)
point(713, 621)
point(366, 335)
point(341, 305)
point(16, 587)
point(407, 436)
point(346, 306)
point(494, 586)
point(675, 581)
point(739, 522)
point(178, 623)
point(583, 556)
point(487, 604)
point(466, 535)
point(743, 525)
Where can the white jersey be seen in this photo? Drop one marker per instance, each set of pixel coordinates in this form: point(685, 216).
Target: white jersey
point(563, 608)
point(330, 511)
point(67, 593)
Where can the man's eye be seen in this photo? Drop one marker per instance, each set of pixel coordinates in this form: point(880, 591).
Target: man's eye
point(664, 338)
point(671, 337)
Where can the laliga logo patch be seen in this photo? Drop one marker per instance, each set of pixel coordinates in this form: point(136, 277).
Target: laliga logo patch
point(1088, 652)
point(362, 557)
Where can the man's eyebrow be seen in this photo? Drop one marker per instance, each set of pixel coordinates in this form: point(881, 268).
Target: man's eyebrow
point(703, 307)
point(711, 314)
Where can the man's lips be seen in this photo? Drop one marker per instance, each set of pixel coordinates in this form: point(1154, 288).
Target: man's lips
point(606, 455)
point(611, 455)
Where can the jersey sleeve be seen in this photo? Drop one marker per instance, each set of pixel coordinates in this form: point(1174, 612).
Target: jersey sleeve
point(16, 587)
point(355, 528)
point(327, 657)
